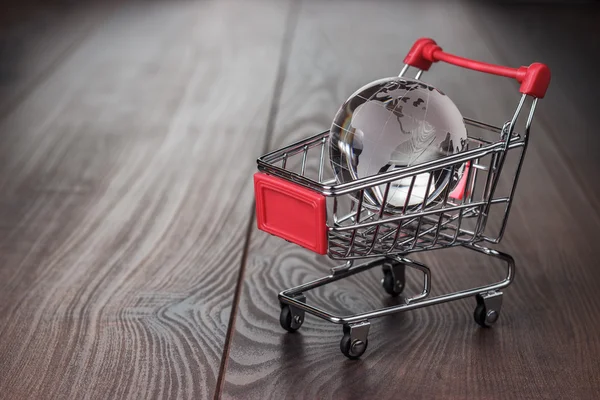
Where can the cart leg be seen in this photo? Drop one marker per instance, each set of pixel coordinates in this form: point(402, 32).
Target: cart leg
point(354, 342)
point(291, 318)
point(488, 308)
point(356, 327)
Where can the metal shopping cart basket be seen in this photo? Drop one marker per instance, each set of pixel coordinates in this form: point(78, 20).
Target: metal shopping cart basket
point(298, 199)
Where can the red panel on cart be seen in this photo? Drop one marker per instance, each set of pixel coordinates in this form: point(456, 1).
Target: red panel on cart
point(291, 212)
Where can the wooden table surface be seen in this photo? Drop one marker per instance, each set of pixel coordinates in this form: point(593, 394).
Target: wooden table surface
point(130, 265)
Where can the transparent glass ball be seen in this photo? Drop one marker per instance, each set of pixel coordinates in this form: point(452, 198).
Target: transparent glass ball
point(397, 123)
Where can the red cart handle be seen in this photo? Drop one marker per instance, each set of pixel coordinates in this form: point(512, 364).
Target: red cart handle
point(534, 79)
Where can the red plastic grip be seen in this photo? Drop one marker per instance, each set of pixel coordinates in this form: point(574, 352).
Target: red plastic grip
point(291, 212)
point(534, 79)
point(461, 190)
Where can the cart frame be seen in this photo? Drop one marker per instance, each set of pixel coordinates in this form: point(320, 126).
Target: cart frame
point(384, 237)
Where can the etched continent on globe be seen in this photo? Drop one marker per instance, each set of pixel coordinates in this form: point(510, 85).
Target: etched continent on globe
point(396, 123)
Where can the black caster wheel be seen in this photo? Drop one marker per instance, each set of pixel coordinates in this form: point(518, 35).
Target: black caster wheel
point(290, 320)
point(394, 280)
point(352, 350)
point(484, 317)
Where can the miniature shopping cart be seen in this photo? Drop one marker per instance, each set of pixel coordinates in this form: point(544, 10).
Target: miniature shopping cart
point(299, 199)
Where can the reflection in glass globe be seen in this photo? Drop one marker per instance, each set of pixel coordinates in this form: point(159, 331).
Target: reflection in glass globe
point(396, 123)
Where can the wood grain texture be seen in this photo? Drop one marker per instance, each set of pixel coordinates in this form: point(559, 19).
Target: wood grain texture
point(569, 51)
point(126, 190)
point(545, 344)
point(36, 36)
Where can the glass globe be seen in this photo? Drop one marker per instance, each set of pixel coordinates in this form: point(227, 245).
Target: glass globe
point(397, 123)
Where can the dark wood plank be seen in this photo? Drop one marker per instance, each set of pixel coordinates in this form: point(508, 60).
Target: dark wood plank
point(36, 37)
point(126, 190)
point(569, 113)
point(544, 345)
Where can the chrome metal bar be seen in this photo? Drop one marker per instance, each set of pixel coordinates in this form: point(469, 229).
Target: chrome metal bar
point(401, 173)
point(408, 194)
point(458, 224)
point(437, 232)
point(265, 164)
point(304, 155)
point(322, 160)
point(380, 215)
point(469, 210)
point(423, 204)
point(403, 217)
point(404, 70)
point(345, 217)
point(447, 188)
point(295, 146)
point(334, 276)
point(312, 140)
point(462, 232)
point(500, 161)
point(385, 177)
point(518, 171)
point(451, 218)
point(442, 213)
point(384, 200)
point(406, 201)
point(342, 268)
point(513, 121)
point(501, 200)
point(530, 117)
point(470, 192)
point(361, 195)
point(487, 189)
point(418, 75)
point(388, 234)
point(335, 210)
point(426, 278)
point(482, 125)
point(372, 231)
point(417, 236)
